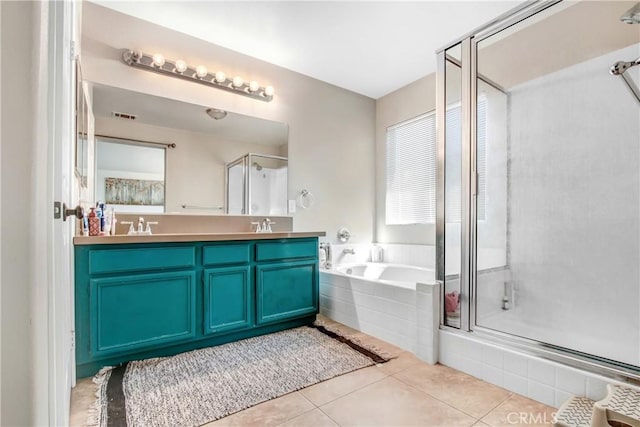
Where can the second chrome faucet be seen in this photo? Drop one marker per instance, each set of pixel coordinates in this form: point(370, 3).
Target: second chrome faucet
point(264, 226)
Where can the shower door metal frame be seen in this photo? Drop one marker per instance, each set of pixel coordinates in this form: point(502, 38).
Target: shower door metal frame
point(468, 251)
point(239, 161)
point(247, 161)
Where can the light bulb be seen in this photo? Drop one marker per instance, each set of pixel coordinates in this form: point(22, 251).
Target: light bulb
point(237, 81)
point(253, 86)
point(181, 66)
point(158, 60)
point(268, 91)
point(201, 71)
point(220, 77)
point(137, 55)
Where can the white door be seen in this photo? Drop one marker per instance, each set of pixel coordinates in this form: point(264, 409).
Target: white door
point(62, 30)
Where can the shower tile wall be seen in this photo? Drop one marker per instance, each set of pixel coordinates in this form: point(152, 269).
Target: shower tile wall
point(574, 211)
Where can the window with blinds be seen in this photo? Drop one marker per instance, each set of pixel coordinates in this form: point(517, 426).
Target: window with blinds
point(411, 171)
point(411, 168)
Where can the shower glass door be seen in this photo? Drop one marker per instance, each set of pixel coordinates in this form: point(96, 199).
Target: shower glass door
point(453, 194)
point(557, 209)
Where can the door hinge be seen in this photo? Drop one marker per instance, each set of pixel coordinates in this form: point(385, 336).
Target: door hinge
point(73, 340)
point(57, 210)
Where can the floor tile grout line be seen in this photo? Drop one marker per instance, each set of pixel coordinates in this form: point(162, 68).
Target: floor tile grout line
point(404, 369)
point(438, 399)
point(305, 397)
point(498, 405)
point(329, 416)
point(353, 391)
point(299, 415)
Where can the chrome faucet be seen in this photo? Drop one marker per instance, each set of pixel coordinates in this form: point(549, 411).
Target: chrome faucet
point(149, 224)
point(326, 246)
point(140, 225)
point(266, 225)
point(349, 251)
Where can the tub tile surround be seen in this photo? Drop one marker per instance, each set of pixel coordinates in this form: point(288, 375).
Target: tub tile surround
point(391, 313)
point(539, 379)
point(404, 317)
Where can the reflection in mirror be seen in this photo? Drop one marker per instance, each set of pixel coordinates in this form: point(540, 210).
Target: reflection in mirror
point(195, 169)
point(256, 185)
point(130, 177)
point(84, 130)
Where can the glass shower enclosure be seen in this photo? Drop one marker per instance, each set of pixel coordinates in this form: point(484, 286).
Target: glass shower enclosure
point(257, 185)
point(538, 226)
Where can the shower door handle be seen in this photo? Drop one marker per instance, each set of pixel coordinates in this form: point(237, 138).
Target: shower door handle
point(475, 184)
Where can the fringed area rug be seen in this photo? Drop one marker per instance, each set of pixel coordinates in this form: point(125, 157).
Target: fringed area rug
point(200, 386)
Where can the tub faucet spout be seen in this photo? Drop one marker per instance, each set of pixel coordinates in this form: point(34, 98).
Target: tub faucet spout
point(349, 251)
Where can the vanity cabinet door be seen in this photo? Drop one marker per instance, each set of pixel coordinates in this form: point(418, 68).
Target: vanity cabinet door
point(228, 299)
point(141, 311)
point(286, 290)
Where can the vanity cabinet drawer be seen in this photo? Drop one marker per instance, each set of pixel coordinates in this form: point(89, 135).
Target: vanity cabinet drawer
point(140, 259)
point(226, 254)
point(286, 249)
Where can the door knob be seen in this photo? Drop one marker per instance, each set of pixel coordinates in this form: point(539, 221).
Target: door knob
point(77, 211)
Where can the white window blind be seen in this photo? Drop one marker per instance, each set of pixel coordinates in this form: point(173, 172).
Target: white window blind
point(411, 167)
point(411, 171)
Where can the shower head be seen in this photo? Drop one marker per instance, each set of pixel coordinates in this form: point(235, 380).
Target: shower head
point(257, 165)
point(632, 16)
point(621, 66)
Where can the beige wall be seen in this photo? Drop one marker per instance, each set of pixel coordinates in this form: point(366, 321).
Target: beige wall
point(17, 41)
point(410, 101)
point(195, 169)
point(331, 130)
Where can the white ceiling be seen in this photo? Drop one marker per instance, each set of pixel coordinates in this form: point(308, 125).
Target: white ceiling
point(371, 48)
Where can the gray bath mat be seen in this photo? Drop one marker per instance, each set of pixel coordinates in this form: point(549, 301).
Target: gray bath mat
point(200, 386)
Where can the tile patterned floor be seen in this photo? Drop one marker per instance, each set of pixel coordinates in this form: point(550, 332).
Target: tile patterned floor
point(402, 392)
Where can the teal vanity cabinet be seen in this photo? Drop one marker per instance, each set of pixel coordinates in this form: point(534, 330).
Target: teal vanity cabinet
point(141, 300)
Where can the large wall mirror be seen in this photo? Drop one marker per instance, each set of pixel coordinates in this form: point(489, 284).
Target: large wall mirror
point(155, 154)
point(84, 128)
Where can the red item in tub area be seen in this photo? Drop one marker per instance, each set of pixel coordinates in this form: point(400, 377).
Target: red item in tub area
point(451, 301)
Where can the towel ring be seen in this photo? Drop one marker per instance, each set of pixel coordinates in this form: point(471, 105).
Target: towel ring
point(305, 199)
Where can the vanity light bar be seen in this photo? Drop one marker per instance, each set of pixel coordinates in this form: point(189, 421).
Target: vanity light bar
point(158, 64)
